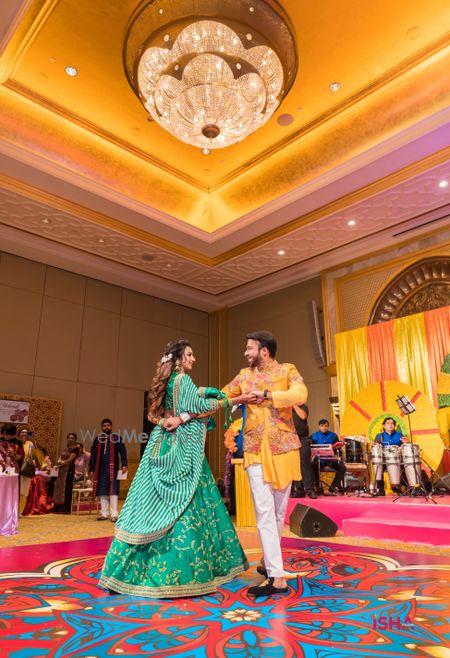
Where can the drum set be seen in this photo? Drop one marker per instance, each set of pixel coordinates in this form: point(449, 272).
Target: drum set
point(358, 457)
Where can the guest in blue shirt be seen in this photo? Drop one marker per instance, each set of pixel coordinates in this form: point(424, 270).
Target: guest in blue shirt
point(388, 437)
point(322, 437)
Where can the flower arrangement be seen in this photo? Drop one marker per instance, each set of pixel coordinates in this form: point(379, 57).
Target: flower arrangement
point(230, 435)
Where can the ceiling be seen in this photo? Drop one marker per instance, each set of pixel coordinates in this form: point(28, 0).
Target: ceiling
point(88, 183)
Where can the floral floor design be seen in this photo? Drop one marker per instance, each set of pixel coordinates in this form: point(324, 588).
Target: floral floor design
point(346, 601)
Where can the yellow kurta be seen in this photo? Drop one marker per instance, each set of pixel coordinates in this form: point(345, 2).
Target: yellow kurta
point(269, 436)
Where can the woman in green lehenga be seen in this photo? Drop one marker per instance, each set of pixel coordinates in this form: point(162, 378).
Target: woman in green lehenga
point(174, 536)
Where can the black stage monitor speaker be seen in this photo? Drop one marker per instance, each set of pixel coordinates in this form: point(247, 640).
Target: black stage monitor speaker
point(308, 522)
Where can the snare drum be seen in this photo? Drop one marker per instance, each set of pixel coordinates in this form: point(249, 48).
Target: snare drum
point(355, 449)
point(411, 462)
point(392, 460)
point(377, 460)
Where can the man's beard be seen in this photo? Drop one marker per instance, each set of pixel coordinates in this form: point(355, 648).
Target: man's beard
point(256, 361)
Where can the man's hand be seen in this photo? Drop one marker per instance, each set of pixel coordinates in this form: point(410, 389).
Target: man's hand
point(258, 397)
point(245, 398)
point(171, 424)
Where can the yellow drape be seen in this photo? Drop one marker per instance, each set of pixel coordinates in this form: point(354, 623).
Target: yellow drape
point(352, 364)
point(412, 353)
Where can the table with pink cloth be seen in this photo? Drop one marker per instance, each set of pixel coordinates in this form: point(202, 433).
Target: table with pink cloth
point(9, 504)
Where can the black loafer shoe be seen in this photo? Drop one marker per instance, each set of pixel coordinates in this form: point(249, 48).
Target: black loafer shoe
point(311, 494)
point(261, 570)
point(102, 518)
point(266, 588)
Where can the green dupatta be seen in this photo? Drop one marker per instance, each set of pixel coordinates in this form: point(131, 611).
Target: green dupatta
point(169, 471)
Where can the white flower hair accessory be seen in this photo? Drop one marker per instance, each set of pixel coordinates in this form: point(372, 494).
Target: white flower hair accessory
point(166, 358)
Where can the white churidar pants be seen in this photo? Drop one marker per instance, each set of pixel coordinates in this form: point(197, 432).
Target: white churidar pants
point(109, 501)
point(270, 509)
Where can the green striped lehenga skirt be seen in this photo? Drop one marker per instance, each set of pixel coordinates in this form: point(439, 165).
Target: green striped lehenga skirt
point(200, 552)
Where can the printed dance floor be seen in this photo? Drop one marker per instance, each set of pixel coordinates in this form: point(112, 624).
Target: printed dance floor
point(346, 601)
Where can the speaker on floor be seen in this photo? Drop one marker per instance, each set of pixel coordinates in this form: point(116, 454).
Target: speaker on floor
point(308, 522)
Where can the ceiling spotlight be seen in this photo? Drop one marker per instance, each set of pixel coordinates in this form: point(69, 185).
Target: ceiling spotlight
point(351, 222)
point(443, 183)
point(46, 220)
point(229, 80)
point(101, 241)
point(281, 252)
point(206, 151)
point(71, 71)
point(334, 86)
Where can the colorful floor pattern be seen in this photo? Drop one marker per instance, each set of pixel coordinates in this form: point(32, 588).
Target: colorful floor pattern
point(348, 601)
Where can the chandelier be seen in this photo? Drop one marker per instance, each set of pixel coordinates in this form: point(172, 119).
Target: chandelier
point(210, 73)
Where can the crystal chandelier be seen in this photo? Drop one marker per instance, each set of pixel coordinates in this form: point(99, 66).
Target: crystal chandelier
point(210, 73)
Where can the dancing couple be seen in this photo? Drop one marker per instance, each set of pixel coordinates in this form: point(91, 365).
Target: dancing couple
point(174, 536)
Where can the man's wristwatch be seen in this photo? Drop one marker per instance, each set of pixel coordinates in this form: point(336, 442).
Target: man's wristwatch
point(266, 394)
point(185, 417)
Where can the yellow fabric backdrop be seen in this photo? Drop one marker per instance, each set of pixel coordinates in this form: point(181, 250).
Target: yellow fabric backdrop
point(421, 342)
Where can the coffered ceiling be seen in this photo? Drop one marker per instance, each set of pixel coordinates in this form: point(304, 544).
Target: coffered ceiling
point(88, 183)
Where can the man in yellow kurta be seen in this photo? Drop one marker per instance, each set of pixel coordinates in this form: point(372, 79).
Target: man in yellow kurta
point(271, 446)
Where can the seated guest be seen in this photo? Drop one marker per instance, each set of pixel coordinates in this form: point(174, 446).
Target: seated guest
point(38, 500)
point(81, 463)
point(388, 437)
point(326, 437)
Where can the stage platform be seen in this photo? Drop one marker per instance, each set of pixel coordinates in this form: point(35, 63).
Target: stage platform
point(414, 520)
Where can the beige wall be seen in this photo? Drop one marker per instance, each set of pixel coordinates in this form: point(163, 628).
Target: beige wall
point(94, 345)
point(90, 344)
point(285, 314)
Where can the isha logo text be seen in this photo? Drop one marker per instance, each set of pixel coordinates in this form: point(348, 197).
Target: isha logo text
point(388, 623)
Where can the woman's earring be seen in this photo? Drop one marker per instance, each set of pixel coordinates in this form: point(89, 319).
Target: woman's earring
point(178, 365)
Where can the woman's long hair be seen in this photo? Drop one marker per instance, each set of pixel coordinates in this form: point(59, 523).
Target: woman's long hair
point(171, 360)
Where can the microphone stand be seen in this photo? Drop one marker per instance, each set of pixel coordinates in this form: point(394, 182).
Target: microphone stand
point(407, 408)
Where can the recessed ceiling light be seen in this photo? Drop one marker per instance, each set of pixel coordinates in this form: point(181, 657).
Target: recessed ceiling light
point(206, 151)
point(249, 36)
point(71, 71)
point(351, 222)
point(281, 252)
point(251, 9)
point(443, 183)
point(101, 241)
point(334, 86)
point(46, 220)
point(166, 38)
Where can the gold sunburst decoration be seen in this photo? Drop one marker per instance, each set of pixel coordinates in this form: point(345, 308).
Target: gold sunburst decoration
point(365, 413)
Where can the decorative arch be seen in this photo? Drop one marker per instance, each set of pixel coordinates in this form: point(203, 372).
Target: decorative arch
point(423, 286)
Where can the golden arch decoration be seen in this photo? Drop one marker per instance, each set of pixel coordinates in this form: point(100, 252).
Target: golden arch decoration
point(423, 286)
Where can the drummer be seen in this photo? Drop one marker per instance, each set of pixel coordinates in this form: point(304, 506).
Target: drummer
point(388, 437)
point(323, 437)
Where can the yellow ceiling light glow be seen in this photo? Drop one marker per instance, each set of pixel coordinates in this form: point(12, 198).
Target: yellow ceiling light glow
point(210, 82)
